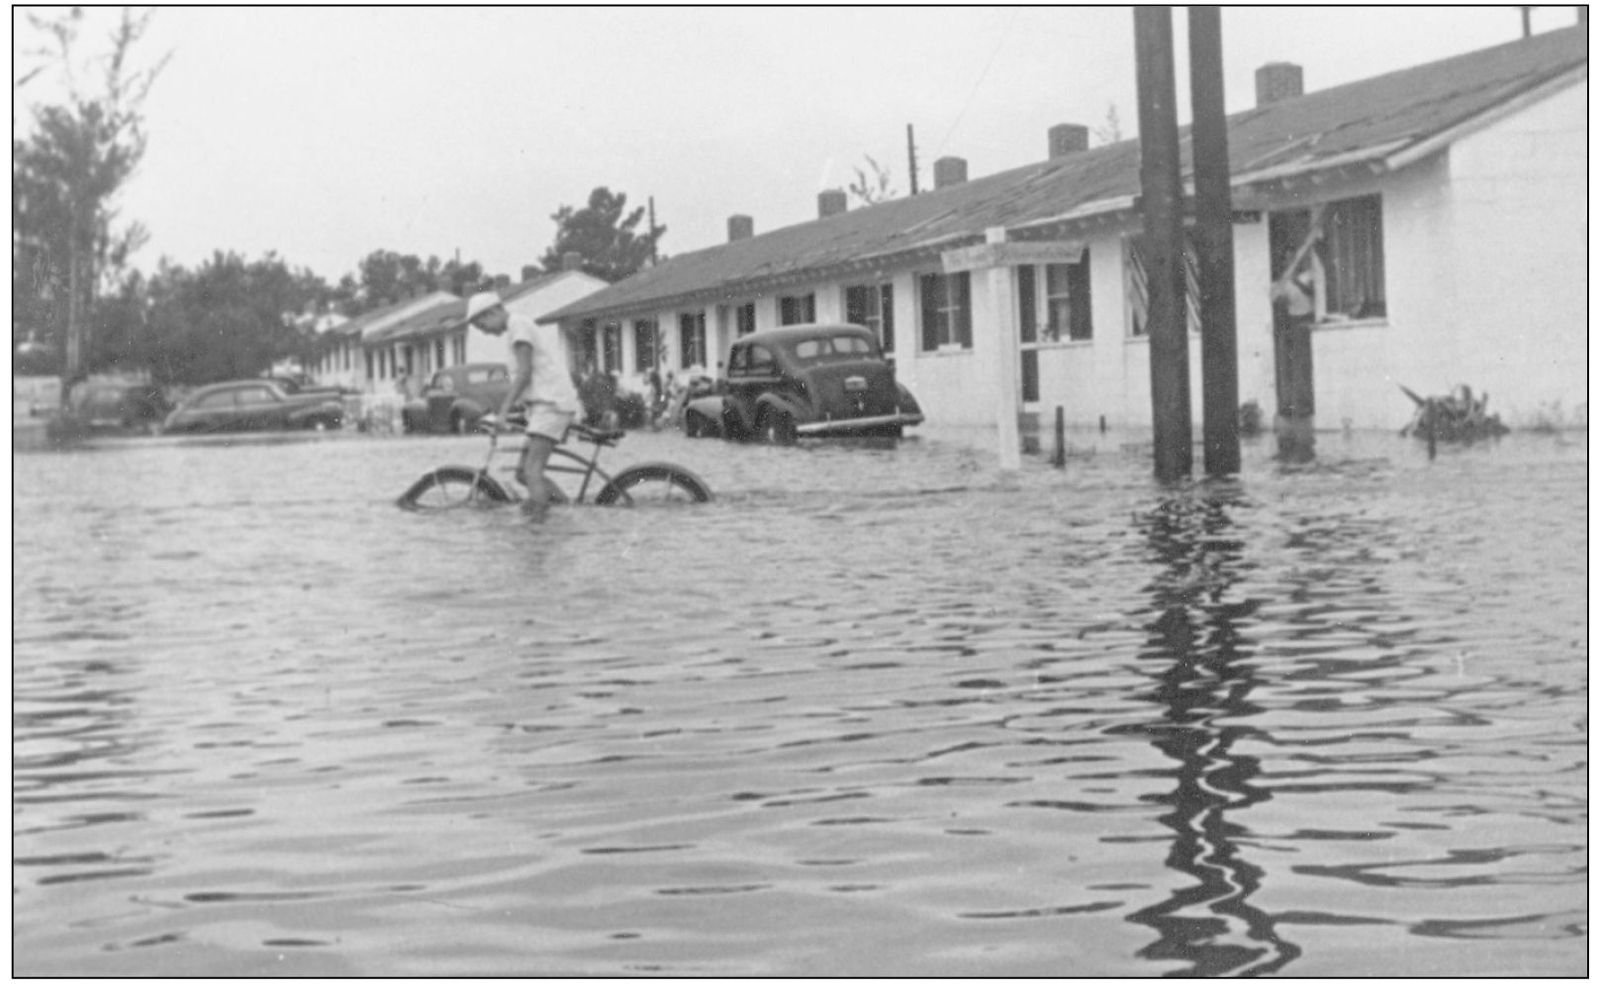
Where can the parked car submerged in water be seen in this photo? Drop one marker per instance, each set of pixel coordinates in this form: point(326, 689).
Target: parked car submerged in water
point(456, 397)
point(253, 404)
point(298, 385)
point(118, 407)
point(809, 380)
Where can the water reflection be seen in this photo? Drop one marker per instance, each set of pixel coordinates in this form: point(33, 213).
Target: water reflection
point(1204, 692)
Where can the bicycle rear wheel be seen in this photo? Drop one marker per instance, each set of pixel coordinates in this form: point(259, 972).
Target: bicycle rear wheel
point(452, 487)
point(654, 483)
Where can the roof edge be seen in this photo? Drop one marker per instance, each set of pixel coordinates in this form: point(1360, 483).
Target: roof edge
point(1492, 115)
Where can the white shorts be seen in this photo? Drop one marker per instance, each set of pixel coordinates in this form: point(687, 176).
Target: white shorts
point(548, 420)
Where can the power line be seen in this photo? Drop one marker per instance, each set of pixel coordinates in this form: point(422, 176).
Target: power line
point(1004, 36)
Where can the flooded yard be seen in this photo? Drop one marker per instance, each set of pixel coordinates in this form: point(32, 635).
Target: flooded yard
point(875, 711)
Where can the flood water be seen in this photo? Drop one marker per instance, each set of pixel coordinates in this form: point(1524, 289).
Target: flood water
point(876, 711)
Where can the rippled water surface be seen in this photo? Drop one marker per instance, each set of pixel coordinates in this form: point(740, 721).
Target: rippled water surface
point(874, 711)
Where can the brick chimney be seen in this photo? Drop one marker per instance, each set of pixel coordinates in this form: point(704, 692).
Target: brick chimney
point(740, 227)
point(831, 201)
point(1276, 81)
point(572, 261)
point(949, 171)
point(1067, 139)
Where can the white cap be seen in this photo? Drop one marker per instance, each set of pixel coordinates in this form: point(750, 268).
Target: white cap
point(481, 303)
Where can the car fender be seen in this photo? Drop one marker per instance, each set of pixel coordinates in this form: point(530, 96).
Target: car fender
point(798, 412)
point(713, 408)
point(907, 402)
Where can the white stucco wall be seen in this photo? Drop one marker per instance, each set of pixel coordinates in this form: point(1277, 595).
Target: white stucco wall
point(1519, 226)
point(1486, 264)
point(547, 298)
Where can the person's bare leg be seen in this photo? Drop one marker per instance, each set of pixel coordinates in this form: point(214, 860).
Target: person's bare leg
point(534, 457)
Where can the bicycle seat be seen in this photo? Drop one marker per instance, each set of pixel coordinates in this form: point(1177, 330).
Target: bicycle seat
point(596, 435)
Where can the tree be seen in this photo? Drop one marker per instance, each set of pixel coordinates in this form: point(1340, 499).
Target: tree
point(230, 318)
point(387, 277)
point(874, 188)
point(65, 177)
point(1109, 132)
point(603, 236)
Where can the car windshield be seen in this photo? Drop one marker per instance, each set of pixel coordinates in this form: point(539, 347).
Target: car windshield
point(834, 347)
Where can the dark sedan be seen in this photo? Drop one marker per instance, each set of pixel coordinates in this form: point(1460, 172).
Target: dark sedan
point(253, 404)
point(456, 397)
point(810, 380)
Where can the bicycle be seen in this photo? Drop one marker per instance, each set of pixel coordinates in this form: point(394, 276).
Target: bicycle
point(650, 482)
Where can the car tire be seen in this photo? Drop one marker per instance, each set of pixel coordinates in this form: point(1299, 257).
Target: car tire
point(776, 428)
point(459, 424)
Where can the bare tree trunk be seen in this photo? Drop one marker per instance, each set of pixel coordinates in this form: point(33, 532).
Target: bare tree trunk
point(72, 369)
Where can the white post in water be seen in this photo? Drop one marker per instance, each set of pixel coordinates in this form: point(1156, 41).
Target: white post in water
point(1002, 303)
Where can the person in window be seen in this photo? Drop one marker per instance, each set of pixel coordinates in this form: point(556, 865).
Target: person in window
point(1300, 285)
point(541, 378)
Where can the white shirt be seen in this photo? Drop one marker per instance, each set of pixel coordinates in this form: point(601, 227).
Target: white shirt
point(552, 376)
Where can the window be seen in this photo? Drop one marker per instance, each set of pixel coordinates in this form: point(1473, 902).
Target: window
point(872, 307)
point(746, 319)
point(438, 352)
point(645, 345)
point(796, 309)
point(1136, 282)
point(591, 345)
point(946, 311)
point(255, 396)
point(759, 361)
point(1067, 301)
point(1353, 258)
point(1338, 256)
point(691, 337)
point(217, 400)
point(611, 347)
point(369, 364)
point(839, 347)
point(1027, 303)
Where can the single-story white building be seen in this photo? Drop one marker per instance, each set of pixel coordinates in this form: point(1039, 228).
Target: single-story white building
point(1442, 211)
point(395, 350)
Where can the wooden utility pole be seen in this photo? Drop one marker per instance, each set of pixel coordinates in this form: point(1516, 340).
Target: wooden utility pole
point(655, 255)
point(1526, 22)
point(1162, 196)
point(1213, 203)
point(910, 142)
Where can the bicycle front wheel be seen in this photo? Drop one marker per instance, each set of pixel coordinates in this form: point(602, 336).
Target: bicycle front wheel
point(452, 487)
point(654, 483)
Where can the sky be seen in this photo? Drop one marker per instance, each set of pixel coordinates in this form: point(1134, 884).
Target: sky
point(324, 134)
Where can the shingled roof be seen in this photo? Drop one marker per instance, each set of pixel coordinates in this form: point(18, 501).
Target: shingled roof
point(368, 326)
point(444, 311)
point(1377, 124)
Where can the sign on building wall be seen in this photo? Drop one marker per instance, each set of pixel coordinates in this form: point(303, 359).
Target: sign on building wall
point(980, 256)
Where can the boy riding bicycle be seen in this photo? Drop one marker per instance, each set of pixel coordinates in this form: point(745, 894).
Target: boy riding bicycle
point(541, 378)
